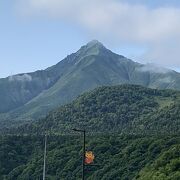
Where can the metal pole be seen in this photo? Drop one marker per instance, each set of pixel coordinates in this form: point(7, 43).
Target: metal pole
point(44, 168)
point(84, 151)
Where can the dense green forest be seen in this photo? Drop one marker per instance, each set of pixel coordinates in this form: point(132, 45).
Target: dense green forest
point(127, 109)
point(116, 157)
point(166, 166)
point(133, 131)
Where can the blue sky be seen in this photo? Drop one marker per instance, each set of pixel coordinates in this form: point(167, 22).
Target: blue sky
point(36, 34)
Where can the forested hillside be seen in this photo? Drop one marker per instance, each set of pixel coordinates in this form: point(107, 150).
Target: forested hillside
point(166, 166)
point(133, 131)
point(126, 109)
point(117, 157)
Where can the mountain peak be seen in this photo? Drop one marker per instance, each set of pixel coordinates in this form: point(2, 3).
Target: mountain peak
point(94, 43)
point(93, 47)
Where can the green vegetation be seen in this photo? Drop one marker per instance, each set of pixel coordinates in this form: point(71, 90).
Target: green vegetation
point(117, 157)
point(133, 131)
point(166, 166)
point(17, 90)
point(127, 109)
point(31, 96)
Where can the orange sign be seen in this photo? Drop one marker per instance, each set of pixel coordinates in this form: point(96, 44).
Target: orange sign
point(89, 157)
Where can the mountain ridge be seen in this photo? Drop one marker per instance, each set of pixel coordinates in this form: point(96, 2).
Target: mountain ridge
point(93, 65)
point(122, 109)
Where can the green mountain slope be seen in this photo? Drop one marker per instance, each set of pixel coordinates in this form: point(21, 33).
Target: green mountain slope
point(90, 67)
point(17, 90)
point(166, 166)
point(125, 109)
point(132, 130)
point(118, 157)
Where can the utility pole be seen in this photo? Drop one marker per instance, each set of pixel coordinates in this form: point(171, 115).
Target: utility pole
point(44, 168)
point(84, 150)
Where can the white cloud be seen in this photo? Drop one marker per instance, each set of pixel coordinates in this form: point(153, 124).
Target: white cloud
point(22, 78)
point(157, 28)
point(166, 80)
point(153, 68)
